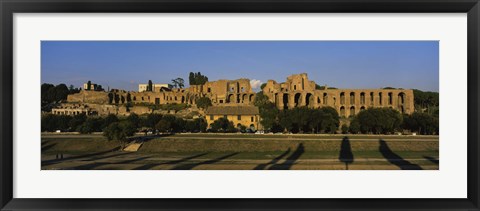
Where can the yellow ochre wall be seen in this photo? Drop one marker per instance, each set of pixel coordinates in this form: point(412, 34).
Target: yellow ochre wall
point(245, 120)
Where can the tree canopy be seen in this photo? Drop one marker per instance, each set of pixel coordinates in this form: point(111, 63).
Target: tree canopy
point(204, 102)
point(53, 94)
point(197, 78)
point(178, 82)
point(377, 121)
point(426, 101)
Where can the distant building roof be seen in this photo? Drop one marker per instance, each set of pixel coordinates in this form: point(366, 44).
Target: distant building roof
point(232, 110)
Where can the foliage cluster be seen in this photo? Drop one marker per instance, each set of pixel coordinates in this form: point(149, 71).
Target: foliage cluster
point(83, 124)
point(51, 93)
point(301, 119)
point(204, 102)
point(197, 78)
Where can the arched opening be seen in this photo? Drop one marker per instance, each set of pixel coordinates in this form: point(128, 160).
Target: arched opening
point(325, 98)
point(362, 108)
point(371, 98)
point(352, 110)
point(362, 98)
point(390, 98)
point(297, 99)
point(380, 98)
point(401, 98)
point(183, 99)
point(244, 98)
point(239, 126)
point(402, 109)
point(230, 98)
point(134, 98)
point(352, 98)
point(252, 127)
point(318, 100)
point(307, 99)
point(342, 98)
point(251, 98)
point(342, 111)
point(285, 101)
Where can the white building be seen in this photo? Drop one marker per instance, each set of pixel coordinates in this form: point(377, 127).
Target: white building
point(156, 87)
point(92, 86)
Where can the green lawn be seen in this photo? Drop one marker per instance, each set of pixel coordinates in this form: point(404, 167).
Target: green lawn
point(239, 151)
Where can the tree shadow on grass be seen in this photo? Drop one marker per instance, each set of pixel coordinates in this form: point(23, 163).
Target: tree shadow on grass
point(395, 159)
point(346, 155)
point(193, 165)
point(46, 147)
point(290, 161)
point(55, 161)
point(152, 165)
point(147, 138)
point(95, 165)
point(432, 159)
point(273, 161)
point(108, 156)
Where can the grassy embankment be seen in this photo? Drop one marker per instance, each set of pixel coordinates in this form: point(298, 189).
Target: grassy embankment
point(253, 146)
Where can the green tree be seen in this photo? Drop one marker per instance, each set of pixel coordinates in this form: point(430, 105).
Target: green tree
point(134, 119)
point(77, 120)
point(89, 126)
point(150, 86)
point(222, 125)
point(344, 129)
point(268, 111)
point(152, 120)
point(204, 102)
point(163, 126)
point(263, 86)
point(118, 132)
point(108, 120)
point(89, 84)
point(178, 82)
point(197, 78)
point(379, 120)
point(191, 78)
point(354, 127)
point(422, 123)
point(426, 101)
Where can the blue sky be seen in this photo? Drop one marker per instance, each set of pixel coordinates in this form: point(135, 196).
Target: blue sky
point(342, 64)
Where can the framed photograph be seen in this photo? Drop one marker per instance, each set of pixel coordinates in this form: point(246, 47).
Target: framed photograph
point(255, 105)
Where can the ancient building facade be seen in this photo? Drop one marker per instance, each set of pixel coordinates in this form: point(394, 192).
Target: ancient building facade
point(156, 87)
point(72, 109)
point(221, 92)
point(299, 91)
point(246, 115)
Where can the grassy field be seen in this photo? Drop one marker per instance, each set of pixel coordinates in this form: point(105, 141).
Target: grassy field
point(243, 151)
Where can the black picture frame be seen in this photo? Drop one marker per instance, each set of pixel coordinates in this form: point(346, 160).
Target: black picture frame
point(9, 7)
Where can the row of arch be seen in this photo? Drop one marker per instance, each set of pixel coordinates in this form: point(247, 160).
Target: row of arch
point(401, 98)
point(353, 111)
point(240, 98)
point(287, 100)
